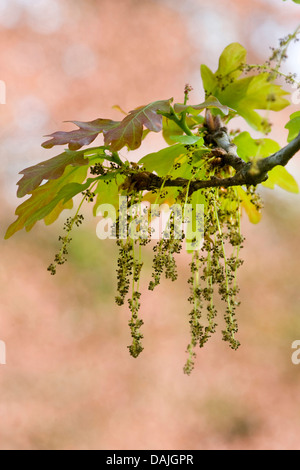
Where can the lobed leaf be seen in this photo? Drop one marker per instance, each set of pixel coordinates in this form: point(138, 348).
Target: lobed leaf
point(107, 191)
point(170, 128)
point(231, 61)
point(54, 168)
point(280, 176)
point(55, 195)
point(248, 149)
point(244, 95)
point(249, 94)
point(230, 68)
point(209, 80)
point(186, 139)
point(53, 216)
point(210, 102)
point(167, 196)
point(162, 162)
point(252, 212)
point(87, 133)
point(293, 126)
point(130, 131)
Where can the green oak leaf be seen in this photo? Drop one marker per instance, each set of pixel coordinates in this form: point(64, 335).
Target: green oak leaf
point(130, 131)
point(250, 209)
point(249, 149)
point(170, 128)
point(65, 194)
point(293, 126)
point(230, 68)
point(162, 161)
point(167, 196)
point(107, 191)
point(231, 61)
point(280, 176)
point(187, 139)
point(185, 170)
point(245, 95)
point(55, 195)
point(53, 216)
point(249, 94)
point(210, 102)
point(209, 80)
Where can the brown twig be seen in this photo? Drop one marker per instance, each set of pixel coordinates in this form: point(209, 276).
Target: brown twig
point(247, 173)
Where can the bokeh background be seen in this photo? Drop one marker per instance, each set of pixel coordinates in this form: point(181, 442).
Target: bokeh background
point(69, 382)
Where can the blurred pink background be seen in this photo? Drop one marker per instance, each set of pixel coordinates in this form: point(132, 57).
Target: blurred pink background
point(69, 382)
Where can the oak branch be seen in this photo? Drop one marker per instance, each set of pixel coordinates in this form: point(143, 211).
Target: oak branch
point(247, 173)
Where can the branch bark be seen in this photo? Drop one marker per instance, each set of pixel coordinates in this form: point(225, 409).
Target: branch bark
point(282, 157)
point(247, 173)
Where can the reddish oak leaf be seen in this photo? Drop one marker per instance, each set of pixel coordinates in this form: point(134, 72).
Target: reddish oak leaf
point(130, 131)
point(87, 133)
point(55, 195)
point(52, 169)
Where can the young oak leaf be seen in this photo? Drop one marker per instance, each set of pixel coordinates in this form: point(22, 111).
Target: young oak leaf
point(210, 102)
point(244, 95)
point(282, 178)
point(251, 93)
point(53, 195)
point(130, 131)
point(252, 212)
point(170, 128)
point(107, 191)
point(87, 133)
point(167, 196)
point(186, 139)
point(50, 211)
point(231, 61)
point(55, 167)
point(249, 149)
point(293, 126)
point(162, 162)
point(230, 68)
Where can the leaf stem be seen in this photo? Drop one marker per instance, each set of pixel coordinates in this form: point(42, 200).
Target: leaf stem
point(181, 122)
